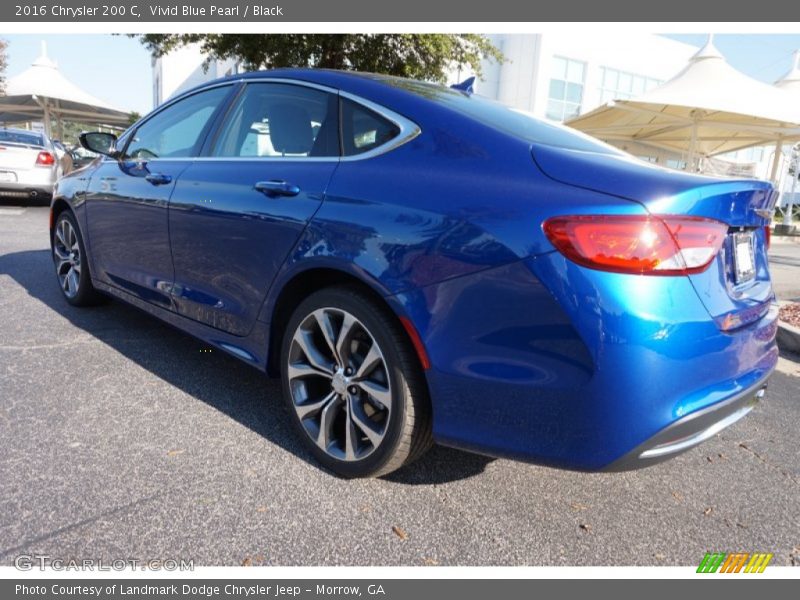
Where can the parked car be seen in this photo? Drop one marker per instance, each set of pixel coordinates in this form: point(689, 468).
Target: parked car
point(420, 264)
point(28, 164)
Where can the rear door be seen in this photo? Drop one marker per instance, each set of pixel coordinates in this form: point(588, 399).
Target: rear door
point(127, 199)
point(238, 210)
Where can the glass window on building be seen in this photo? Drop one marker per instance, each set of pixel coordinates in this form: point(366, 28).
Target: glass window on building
point(566, 89)
point(748, 155)
point(620, 85)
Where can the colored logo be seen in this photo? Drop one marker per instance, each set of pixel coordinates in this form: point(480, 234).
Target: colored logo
point(735, 562)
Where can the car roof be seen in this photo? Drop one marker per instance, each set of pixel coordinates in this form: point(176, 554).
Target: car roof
point(19, 130)
point(355, 82)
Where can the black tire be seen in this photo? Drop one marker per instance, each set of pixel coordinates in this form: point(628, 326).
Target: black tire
point(84, 293)
point(407, 430)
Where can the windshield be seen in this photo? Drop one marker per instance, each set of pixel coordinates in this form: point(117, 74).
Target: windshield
point(512, 121)
point(21, 137)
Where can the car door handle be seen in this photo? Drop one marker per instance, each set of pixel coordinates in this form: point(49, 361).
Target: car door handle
point(277, 187)
point(158, 178)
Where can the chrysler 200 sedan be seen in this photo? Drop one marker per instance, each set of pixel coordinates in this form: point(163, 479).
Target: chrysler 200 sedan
point(420, 265)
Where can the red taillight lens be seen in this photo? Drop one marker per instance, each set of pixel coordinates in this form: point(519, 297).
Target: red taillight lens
point(767, 236)
point(45, 159)
point(644, 245)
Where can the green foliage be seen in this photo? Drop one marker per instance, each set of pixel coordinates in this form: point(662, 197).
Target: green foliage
point(416, 55)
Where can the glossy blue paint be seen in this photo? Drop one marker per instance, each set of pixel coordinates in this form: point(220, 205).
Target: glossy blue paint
point(222, 279)
point(532, 356)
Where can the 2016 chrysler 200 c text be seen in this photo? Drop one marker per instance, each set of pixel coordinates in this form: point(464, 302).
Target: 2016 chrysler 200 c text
point(419, 264)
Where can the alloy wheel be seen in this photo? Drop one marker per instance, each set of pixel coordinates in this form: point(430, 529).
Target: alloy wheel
point(67, 255)
point(339, 384)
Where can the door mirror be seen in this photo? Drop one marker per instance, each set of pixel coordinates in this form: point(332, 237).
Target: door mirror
point(99, 142)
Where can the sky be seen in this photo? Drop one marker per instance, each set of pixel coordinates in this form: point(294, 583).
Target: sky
point(766, 57)
point(116, 68)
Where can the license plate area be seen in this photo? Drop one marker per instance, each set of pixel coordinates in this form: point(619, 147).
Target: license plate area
point(8, 176)
point(744, 256)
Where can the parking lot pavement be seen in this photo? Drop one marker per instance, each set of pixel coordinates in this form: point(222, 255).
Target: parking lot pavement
point(784, 258)
point(121, 439)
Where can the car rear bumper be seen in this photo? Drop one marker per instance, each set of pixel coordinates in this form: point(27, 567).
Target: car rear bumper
point(548, 362)
point(29, 182)
point(691, 430)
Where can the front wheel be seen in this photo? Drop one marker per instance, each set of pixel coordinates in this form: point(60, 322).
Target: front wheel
point(72, 269)
point(354, 385)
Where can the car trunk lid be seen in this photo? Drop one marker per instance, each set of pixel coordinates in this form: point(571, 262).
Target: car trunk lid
point(15, 157)
point(736, 288)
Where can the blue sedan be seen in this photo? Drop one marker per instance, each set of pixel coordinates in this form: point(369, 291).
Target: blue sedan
point(419, 264)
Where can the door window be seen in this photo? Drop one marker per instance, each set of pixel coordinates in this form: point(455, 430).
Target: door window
point(280, 120)
point(175, 131)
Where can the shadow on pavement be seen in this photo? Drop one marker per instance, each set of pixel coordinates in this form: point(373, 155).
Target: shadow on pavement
point(228, 385)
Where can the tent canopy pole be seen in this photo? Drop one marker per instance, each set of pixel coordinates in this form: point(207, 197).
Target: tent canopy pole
point(776, 159)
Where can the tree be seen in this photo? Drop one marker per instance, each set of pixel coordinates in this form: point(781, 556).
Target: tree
point(429, 57)
point(3, 65)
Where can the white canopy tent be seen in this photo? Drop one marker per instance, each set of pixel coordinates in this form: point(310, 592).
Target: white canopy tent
point(42, 93)
point(791, 81)
point(709, 108)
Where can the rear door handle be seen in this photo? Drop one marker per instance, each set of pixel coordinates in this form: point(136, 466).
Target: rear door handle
point(158, 178)
point(277, 187)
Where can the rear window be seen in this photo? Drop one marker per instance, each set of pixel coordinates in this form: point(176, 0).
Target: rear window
point(512, 121)
point(21, 137)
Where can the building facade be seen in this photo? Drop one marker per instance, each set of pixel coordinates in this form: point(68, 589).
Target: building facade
point(185, 68)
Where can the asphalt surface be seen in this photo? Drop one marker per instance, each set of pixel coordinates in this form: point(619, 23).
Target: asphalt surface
point(120, 438)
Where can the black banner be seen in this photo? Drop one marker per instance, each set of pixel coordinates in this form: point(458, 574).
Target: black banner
point(473, 11)
point(388, 589)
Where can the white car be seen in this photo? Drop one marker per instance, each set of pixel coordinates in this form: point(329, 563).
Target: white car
point(29, 166)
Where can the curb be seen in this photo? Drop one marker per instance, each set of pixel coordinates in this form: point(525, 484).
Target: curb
point(785, 239)
point(788, 336)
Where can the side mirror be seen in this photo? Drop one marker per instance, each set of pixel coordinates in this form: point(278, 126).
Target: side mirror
point(99, 142)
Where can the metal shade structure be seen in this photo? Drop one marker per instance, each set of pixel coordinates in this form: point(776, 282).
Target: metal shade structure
point(709, 108)
point(42, 93)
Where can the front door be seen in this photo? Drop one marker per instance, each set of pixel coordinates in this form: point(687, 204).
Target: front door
point(127, 199)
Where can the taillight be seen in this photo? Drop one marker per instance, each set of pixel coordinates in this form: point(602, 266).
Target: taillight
point(45, 159)
point(643, 245)
point(767, 236)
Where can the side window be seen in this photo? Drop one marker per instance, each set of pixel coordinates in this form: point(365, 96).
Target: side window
point(175, 131)
point(280, 120)
point(364, 129)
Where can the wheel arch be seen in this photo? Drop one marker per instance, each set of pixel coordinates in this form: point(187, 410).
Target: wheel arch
point(58, 206)
point(304, 283)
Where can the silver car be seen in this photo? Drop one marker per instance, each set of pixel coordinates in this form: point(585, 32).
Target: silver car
point(29, 165)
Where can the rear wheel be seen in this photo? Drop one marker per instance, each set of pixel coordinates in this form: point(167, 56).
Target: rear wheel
point(72, 269)
point(354, 385)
